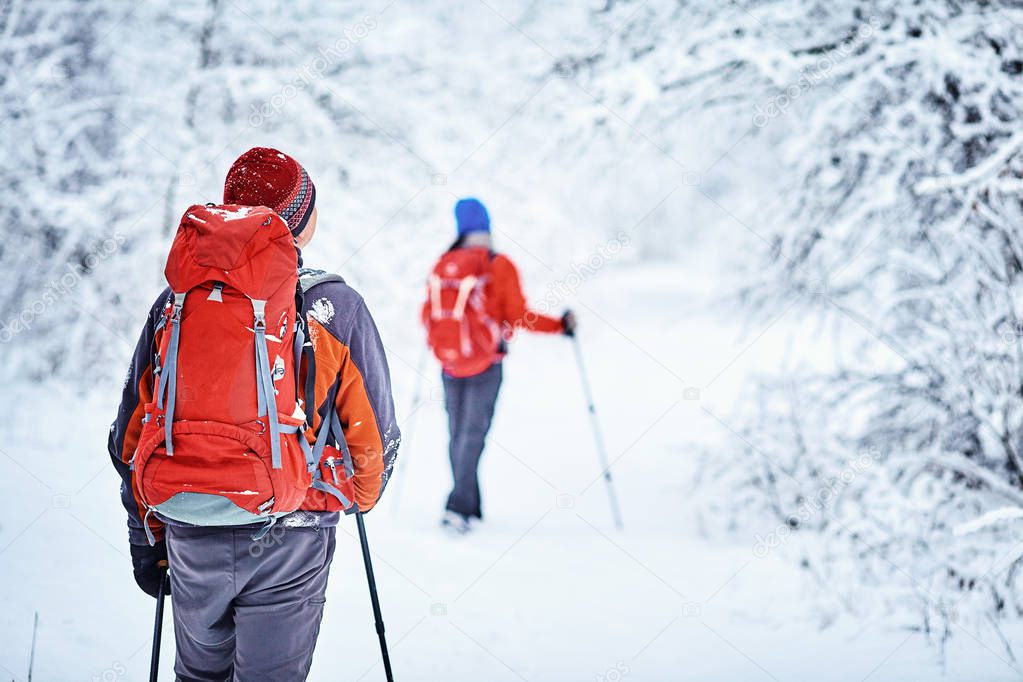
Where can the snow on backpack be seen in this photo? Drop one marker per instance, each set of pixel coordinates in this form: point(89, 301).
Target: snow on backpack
point(222, 440)
point(459, 330)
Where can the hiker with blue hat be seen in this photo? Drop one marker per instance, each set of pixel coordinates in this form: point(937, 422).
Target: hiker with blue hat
point(474, 305)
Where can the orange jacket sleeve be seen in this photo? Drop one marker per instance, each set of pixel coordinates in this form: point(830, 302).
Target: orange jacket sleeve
point(510, 302)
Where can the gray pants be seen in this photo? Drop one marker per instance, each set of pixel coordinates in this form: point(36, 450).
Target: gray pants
point(470, 406)
point(247, 610)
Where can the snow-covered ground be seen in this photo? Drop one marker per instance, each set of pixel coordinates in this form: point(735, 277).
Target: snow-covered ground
point(546, 589)
point(431, 101)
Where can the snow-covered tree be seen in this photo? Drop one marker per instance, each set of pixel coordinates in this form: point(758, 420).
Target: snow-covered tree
point(897, 124)
point(60, 142)
point(109, 140)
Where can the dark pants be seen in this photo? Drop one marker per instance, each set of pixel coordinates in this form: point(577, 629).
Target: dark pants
point(247, 610)
point(470, 405)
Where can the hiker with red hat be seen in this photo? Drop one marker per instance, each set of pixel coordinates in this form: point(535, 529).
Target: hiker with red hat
point(474, 304)
point(256, 410)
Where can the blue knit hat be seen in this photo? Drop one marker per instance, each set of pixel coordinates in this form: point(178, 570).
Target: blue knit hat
point(471, 216)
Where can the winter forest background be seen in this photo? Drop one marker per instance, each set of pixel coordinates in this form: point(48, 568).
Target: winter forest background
point(790, 229)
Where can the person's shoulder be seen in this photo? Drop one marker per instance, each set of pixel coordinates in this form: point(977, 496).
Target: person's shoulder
point(330, 300)
point(322, 282)
point(159, 305)
point(501, 263)
point(163, 298)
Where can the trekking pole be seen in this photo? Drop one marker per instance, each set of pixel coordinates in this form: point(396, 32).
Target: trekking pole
point(32, 651)
point(597, 437)
point(377, 617)
point(154, 664)
point(407, 436)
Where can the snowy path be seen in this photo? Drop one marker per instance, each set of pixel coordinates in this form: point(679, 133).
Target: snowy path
point(546, 590)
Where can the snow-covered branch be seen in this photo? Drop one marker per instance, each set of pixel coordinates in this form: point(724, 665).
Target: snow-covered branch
point(988, 519)
point(982, 174)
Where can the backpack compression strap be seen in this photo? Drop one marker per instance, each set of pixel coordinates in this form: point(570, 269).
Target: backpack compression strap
point(267, 402)
point(331, 424)
point(435, 309)
point(169, 372)
point(466, 286)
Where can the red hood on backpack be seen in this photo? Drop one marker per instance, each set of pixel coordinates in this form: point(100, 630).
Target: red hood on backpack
point(248, 247)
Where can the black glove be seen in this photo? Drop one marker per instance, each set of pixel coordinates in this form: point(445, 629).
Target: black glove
point(150, 566)
point(568, 323)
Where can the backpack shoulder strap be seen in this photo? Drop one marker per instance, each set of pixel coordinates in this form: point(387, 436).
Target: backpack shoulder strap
point(488, 265)
point(308, 278)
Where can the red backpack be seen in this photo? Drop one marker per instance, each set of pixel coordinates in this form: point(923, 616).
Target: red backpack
point(463, 336)
point(222, 441)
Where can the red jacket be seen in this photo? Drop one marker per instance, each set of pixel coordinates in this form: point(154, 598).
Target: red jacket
point(506, 304)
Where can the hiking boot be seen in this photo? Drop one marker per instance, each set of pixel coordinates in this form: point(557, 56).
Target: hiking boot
point(456, 523)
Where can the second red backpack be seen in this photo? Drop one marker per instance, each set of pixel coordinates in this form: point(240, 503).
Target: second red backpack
point(462, 334)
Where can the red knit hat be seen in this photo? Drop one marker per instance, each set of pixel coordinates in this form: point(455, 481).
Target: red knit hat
point(266, 177)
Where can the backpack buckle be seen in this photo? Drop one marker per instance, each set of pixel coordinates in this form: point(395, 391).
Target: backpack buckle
point(259, 313)
point(179, 303)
